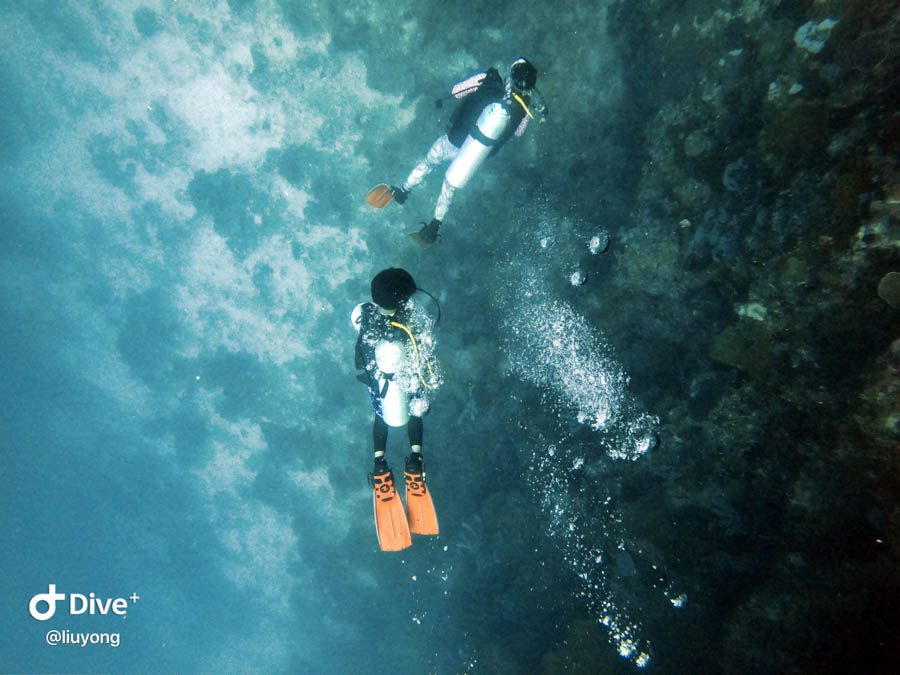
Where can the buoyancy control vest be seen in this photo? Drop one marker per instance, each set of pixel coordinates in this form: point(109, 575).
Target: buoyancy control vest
point(465, 117)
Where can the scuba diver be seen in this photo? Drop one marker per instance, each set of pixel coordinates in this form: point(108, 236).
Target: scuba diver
point(392, 349)
point(491, 112)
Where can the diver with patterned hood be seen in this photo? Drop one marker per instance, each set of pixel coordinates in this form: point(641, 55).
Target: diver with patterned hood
point(491, 112)
point(393, 349)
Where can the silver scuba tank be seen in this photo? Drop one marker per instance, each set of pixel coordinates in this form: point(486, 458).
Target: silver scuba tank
point(395, 402)
point(488, 129)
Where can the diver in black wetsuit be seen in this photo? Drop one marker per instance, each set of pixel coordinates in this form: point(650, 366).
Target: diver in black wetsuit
point(388, 349)
point(383, 352)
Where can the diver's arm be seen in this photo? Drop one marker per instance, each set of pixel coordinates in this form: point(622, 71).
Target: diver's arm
point(522, 126)
point(467, 86)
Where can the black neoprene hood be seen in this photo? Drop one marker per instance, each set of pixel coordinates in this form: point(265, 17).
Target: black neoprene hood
point(391, 287)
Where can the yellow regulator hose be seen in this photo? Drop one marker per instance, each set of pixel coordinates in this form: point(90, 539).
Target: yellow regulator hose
point(418, 357)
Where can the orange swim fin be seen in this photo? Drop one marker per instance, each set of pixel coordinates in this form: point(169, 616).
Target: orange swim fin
point(380, 196)
point(419, 507)
point(390, 518)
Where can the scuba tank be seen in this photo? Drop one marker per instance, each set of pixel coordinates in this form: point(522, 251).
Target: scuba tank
point(394, 399)
point(389, 357)
point(478, 144)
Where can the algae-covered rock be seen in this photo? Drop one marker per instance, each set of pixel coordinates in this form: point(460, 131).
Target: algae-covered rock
point(692, 193)
point(845, 198)
point(696, 143)
point(794, 271)
point(794, 133)
point(748, 348)
point(889, 289)
point(651, 263)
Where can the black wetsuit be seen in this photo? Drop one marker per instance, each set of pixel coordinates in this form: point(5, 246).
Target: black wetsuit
point(374, 327)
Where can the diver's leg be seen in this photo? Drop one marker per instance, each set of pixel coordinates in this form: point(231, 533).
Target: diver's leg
point(441, 150)
point(443, 202)
point(379, 438)
point(415, 430)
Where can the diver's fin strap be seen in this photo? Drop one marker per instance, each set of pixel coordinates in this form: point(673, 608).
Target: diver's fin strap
point(419, 508)
point(415, 484)
point(384, 486)
point(391, 525)
point(425, 237)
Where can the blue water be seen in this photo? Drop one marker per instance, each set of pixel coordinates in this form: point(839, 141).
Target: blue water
point(646, 456)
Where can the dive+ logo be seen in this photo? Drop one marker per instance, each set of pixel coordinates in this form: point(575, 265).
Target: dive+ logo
point(78, 604)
